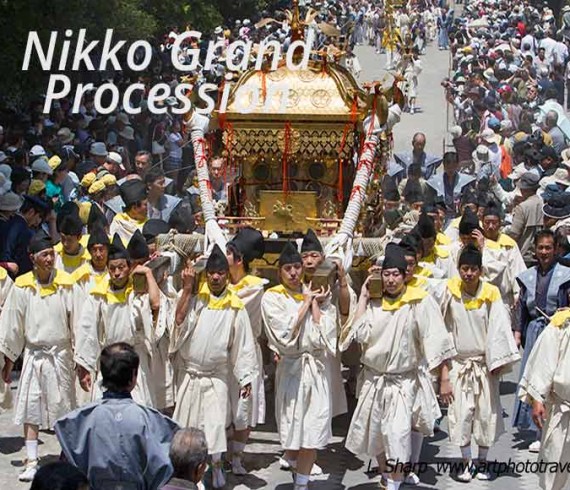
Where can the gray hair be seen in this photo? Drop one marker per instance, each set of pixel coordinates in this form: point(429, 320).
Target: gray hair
point(188, 450)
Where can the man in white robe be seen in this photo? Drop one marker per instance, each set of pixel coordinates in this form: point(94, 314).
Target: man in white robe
point(545, 384)
point(300, 326)
point(134, 215)
point(70, 253)
point(396, 332)
point(38, 318)
point(505, 253)
point(434, 257)
point(479, 324)
point(94, 271)
point(6, 285)
point(212, 335)
point(247, 245)
point(161, 366)
point(114, 313)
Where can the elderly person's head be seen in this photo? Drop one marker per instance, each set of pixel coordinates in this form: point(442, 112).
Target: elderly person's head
point(189, 454)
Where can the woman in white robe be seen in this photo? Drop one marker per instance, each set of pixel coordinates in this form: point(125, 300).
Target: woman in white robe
point(545, 384)
point(479, 324)
point(300, 326)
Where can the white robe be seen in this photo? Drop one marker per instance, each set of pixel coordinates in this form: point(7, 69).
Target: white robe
point(87, 278)
point(162, 372)
point(216, 335)
point(250, 411)
point(303, 405)
point(395, 337)
point(39, 321)
point(111, 316)
point(481, 331)
point(5, 392)
point(546, 378)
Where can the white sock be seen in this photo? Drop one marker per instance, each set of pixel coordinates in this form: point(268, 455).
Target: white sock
point(32, 450)
point(302, 480)
point(417, 441)
point(538, 435)
point(483, 451)
point(393, 484)
point(466, 453)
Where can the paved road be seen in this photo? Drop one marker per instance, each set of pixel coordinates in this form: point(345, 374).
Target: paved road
point(343, 470)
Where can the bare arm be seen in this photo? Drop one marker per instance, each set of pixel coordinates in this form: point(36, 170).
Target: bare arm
point(183, 306)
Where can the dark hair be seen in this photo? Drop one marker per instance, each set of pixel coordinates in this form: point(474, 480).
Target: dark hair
point(58, 476)
point(182, 218)
point(238, 255)
point(119, 362)
point(153, 174)
point(561, 240)
point(19, 175)
point(543, 234)
point(450, 157)
point(143, 153)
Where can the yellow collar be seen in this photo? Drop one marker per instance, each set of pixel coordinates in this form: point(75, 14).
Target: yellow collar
point(560, 318)
point(438, 252)
point(280, 289)
point(3, 273)
point(410, 295)
point(103, 288)
point(61, 279)
point(422, 271)
point(245, 282)
point(223, 302)
point(85, 271)
point(75, 261)
point(126, 217)
point(487, 293)
point(504, 242)
point(442, 239)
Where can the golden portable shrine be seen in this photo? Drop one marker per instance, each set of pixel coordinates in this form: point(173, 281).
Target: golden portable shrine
point(295, 160)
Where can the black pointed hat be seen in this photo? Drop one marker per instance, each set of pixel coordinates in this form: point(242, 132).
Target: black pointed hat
point(249, 243)
point(70, 208)
point(289, 255)
point(132, 191)
point(117, 250)
point(98, 236)
point(390, 191)
point(311, 242)
point(154, 227)
point(96, 219)
point(40, 241)
point(217, 261)
point(469, 222)
point(394, 258)
point(409, 244)
point(137, 247)
point(426, 227)
point(71, 224)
